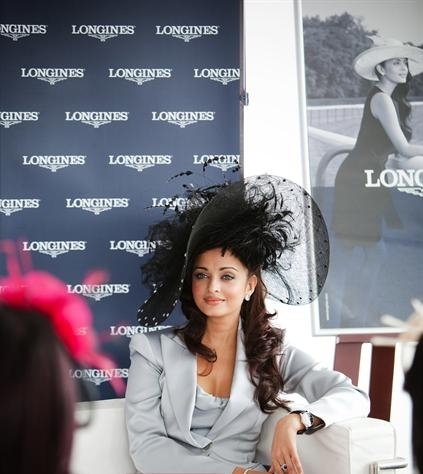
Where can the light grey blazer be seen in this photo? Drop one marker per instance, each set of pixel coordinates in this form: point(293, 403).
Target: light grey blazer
point(160, 402)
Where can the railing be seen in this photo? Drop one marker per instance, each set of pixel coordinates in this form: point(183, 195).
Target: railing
point(318, 115)
point(323, 114)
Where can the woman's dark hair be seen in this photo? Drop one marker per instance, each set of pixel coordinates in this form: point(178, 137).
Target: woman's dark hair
point(403, 106)
point(262, 340)
point(413, 384)
point(399, 96)
point(37, 396)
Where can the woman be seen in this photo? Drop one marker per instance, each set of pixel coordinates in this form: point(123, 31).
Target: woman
point(39, 345)
point(197, 396)
point(360, 211)
point(384, 130)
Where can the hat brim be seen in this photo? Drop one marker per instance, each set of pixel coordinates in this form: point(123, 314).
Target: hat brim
point(364, 64)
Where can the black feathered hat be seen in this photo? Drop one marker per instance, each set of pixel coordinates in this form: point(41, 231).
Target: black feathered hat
point(266, 221)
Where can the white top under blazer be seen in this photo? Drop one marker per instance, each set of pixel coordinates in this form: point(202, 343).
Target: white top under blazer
point(161, 403)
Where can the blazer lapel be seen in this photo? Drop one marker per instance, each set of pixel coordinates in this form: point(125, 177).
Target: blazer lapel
point(181, 382)
point(242, 390)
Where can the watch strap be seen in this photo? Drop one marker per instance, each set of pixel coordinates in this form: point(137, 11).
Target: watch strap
point(307, 420)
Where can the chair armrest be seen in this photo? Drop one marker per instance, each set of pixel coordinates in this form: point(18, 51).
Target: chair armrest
point(352, 446)
point(388, 464)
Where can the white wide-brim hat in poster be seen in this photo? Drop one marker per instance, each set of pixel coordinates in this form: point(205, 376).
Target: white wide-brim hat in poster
point(384, 49)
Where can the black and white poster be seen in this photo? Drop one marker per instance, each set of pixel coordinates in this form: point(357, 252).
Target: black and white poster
point(370, 193)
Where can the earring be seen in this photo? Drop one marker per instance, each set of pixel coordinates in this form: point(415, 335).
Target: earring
point(247, 297)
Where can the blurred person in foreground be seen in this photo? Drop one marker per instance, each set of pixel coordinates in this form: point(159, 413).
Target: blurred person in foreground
point(40, 323)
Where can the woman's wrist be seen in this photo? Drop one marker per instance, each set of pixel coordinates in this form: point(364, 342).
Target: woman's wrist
point(242, 470)
point(291, 421)
point(309, 422)
point(238, 470)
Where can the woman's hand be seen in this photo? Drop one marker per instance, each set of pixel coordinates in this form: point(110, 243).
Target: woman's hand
point(284, 446)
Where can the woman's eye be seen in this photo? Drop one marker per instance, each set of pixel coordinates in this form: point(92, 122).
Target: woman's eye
point(228, 277)
point(199, 276)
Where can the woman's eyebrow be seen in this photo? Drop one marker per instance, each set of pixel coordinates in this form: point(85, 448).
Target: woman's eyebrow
point(220, 269)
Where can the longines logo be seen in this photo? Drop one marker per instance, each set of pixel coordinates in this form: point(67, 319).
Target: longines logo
point(223, 162)
point(9, 118)
point(16, 31)
point(170, 203)
point(406, 180)
point(222, 75)
point(130, 331)
point(54, 247)
point(139, 162)
point(183, 118)
point(140, 75)
point(138, 247)
point(52, 75)
point(96, 205)
point(53, 162)
point(99, 376)
point(96, 119)
point(9, 206)
point(98, 292)
point(187, 32)
point(103, 32)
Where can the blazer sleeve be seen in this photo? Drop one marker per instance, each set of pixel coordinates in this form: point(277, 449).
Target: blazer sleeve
point(152, 451)
point(330, 395)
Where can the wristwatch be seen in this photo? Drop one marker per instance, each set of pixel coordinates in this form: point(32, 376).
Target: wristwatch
point(307, 419)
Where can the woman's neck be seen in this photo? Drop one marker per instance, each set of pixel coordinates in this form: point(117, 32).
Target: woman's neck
point(220, 332)
point(386, 86)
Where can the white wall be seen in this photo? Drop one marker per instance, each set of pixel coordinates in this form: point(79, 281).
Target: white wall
point(273, 125)
point(273, 143)
point(272, 121)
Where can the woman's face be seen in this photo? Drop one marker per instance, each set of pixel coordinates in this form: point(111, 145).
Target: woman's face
point(395, 70)
point(220, 284)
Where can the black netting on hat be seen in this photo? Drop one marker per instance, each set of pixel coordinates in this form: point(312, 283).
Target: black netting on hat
point(272, 223)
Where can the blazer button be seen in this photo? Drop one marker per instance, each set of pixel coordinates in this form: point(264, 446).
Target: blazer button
point(207, 448)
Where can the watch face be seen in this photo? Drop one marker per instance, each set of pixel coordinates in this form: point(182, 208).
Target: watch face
point(307, 419)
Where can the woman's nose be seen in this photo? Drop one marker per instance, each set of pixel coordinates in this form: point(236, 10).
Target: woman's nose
point(214, 285)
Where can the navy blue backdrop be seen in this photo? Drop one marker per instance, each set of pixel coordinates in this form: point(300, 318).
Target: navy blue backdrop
point(101, 103)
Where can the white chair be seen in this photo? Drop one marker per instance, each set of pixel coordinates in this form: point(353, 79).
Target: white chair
point(356, 446)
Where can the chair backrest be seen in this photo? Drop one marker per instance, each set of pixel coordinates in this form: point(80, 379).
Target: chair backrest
point(101, 447)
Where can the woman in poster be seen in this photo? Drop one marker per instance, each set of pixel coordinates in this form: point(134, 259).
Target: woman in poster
point(361, 213)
